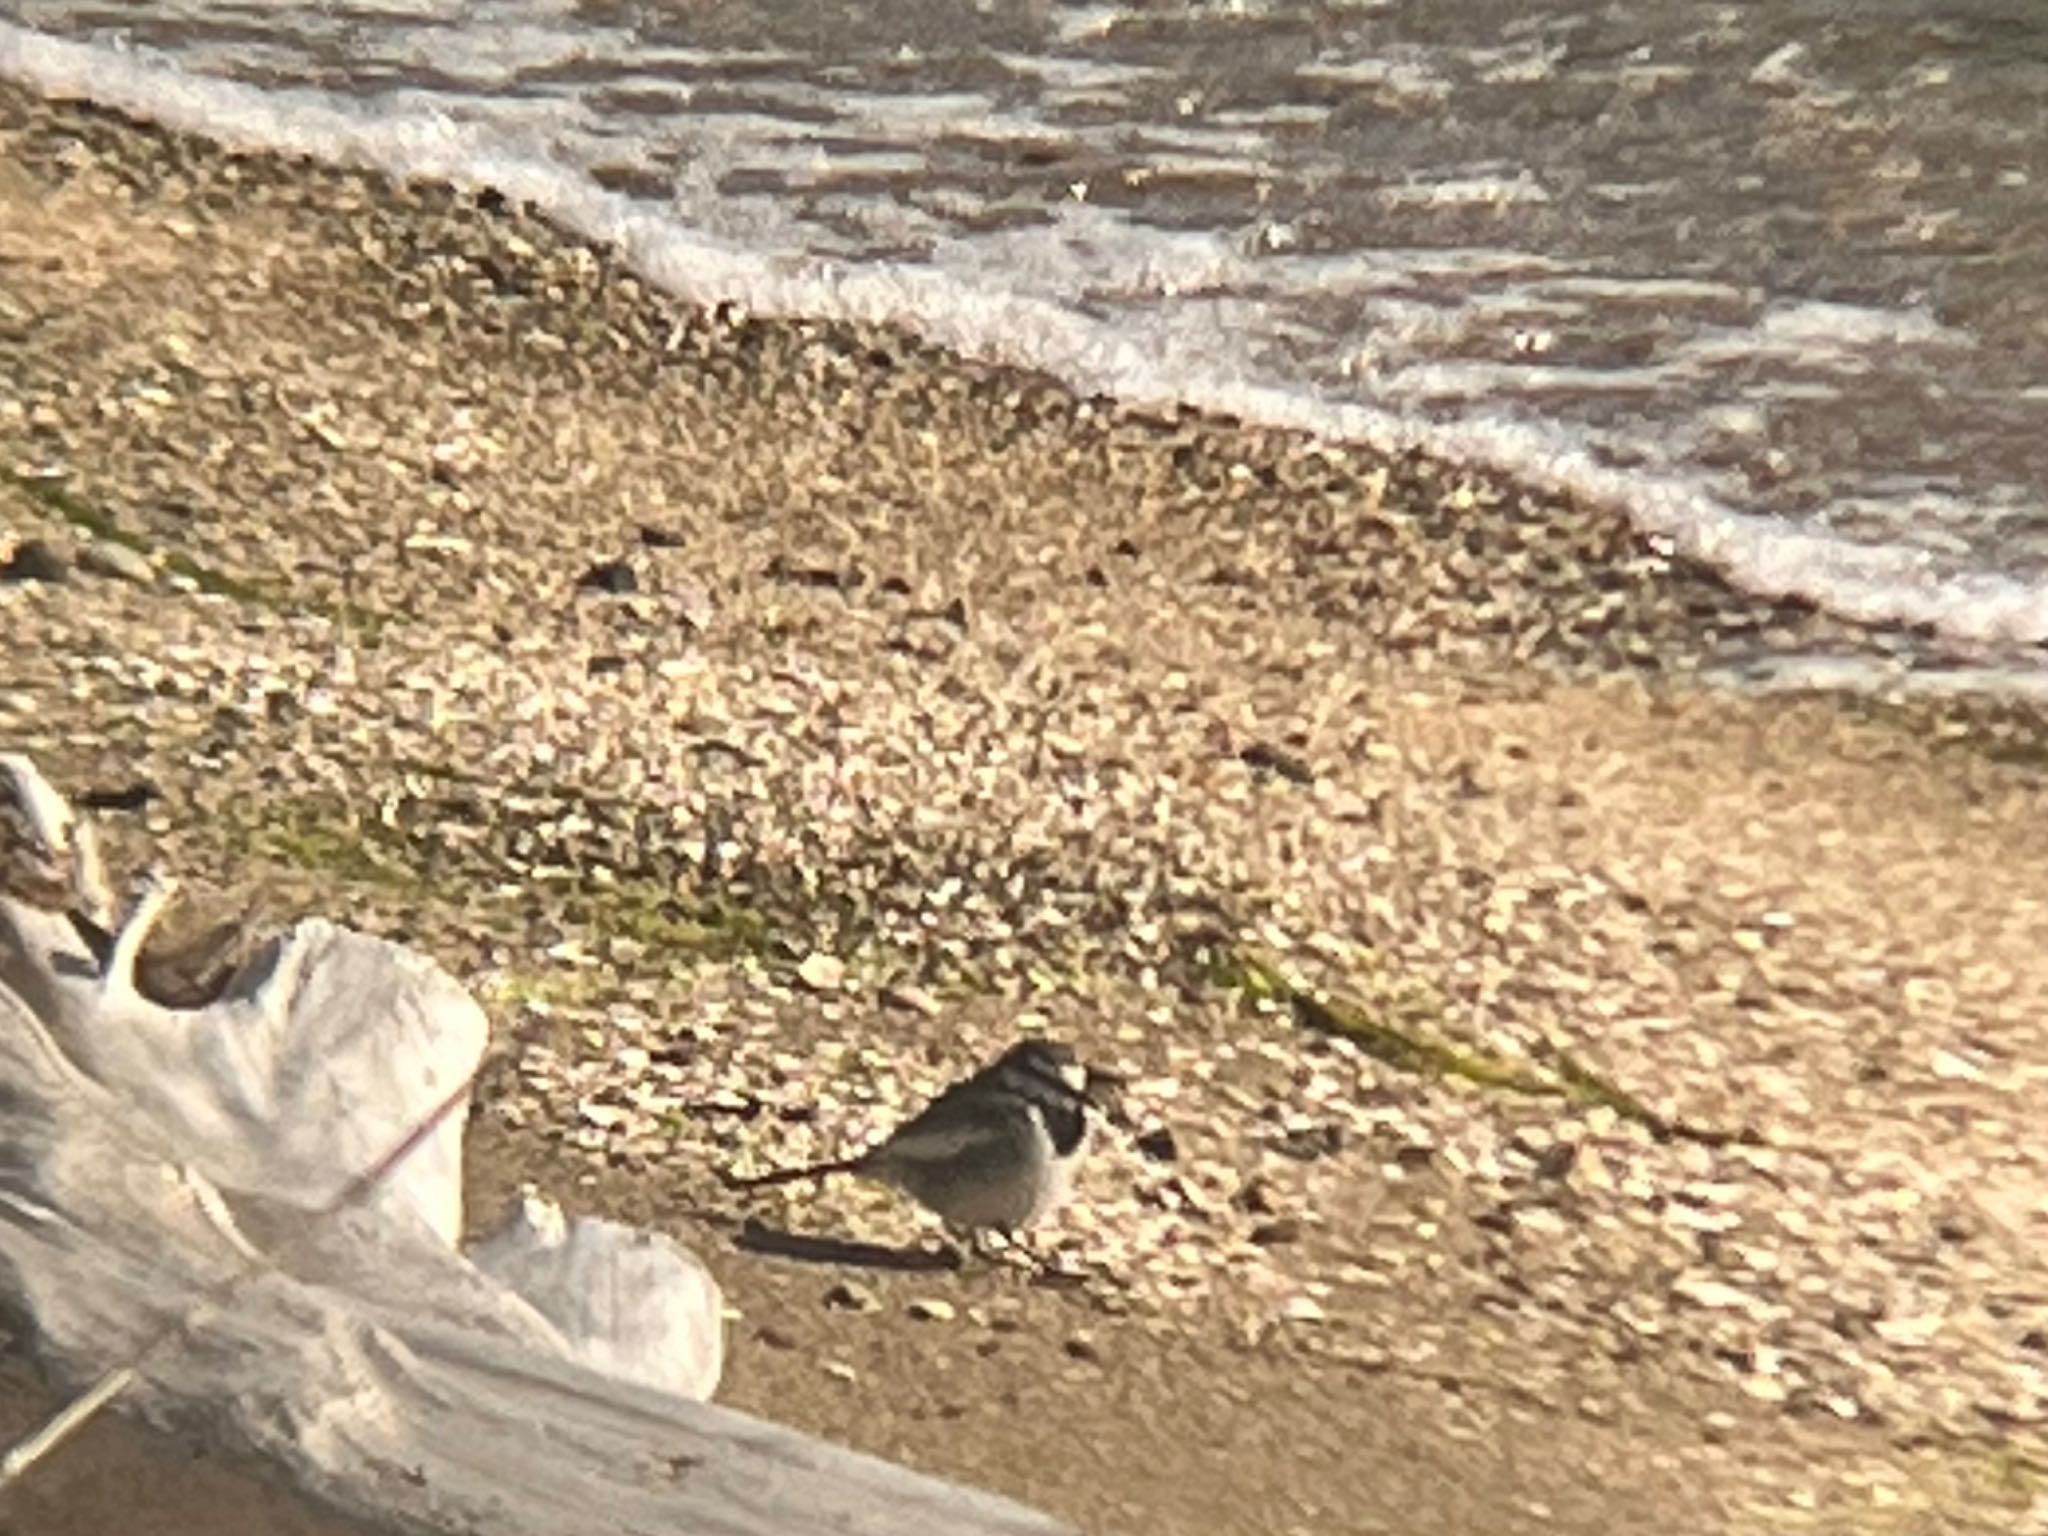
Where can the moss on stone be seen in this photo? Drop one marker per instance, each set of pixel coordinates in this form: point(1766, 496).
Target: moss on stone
point(321, 834)
point(307, 836)
point(82, 515)
point(1395, 1027)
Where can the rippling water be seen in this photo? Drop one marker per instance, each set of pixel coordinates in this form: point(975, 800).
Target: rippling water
point(1776, 278)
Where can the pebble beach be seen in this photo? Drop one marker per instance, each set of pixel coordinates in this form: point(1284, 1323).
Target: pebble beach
point(1570, 1094)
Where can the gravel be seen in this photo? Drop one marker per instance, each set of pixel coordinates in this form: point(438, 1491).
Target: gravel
point(1505, 1015)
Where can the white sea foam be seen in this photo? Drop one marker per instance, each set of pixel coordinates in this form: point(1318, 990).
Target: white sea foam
point(1123, 307)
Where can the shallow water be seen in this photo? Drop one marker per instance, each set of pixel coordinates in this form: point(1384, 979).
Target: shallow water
point(1775, 279)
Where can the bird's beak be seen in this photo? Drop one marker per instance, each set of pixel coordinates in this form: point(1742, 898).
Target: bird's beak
point(1105, 1091)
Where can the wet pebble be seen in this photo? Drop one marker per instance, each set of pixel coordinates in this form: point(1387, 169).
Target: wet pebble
point(852, 1296)
point(39, 560)
point(613, 578)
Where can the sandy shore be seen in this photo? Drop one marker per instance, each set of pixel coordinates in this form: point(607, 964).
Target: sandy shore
point(117, 1471)
point(1579, 1098)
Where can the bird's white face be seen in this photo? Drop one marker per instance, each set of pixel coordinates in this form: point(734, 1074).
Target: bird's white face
point(1075, 1076)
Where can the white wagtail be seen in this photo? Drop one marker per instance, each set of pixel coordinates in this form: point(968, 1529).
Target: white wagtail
point(995, 1152)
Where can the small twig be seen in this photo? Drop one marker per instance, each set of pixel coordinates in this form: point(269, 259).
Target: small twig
point(29, 1450)
point(63, 1424)
point(118, 974)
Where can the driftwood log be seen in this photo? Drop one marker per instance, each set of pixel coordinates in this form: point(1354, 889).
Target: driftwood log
point(179, 1188)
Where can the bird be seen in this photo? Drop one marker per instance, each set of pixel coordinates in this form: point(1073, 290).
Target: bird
point(995, 1152)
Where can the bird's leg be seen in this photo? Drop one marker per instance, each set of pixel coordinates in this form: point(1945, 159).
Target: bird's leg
point(118, 973)
point(1027, 1255)
point(956, 1246)
point(965, 1245)
point(1007, 1248)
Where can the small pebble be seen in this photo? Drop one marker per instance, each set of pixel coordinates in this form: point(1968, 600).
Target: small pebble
point(851, 1296)
point(1257, 1197)
point(1158, 1144)
point(822, 972)
point(911, 999)
point(1303, 1309)
point(614, 577)
point(103, 557)
point(930, 1309)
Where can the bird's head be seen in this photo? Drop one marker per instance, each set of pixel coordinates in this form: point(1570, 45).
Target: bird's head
point(1045, 1061)
point(1054, 1064)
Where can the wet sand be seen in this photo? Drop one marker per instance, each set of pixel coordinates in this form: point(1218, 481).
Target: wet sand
point(630, 659)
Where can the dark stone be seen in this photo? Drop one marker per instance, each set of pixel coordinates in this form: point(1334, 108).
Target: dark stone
point(1266, 757)
point(847, 1296)
point(1554, 1162)
point(605, 666)
point(135, 796)
point(613, 577)
point(1466, 783)
point(38, 560)
point(1159, 1145)
point(660, 538)
point(828, 577)
point(1312, 1142)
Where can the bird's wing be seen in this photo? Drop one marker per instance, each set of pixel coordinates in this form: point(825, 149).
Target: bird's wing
point(959, 1124)
point(941, 1143)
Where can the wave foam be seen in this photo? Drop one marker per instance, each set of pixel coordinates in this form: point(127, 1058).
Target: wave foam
point(979, 316)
